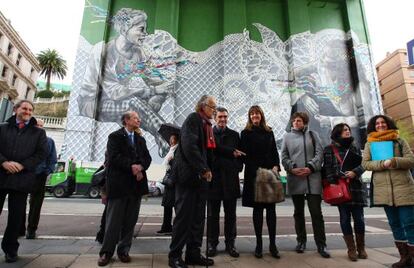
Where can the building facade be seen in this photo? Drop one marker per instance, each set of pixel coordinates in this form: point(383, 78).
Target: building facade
point(19, 68)
point(396, 82)
point(158, 57)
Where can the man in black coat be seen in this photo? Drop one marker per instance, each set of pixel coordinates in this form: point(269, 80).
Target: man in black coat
point(225, 185)
point(126, 182)
point(192, 172)
point(23, 147)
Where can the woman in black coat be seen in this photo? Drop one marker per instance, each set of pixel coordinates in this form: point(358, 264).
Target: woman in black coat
point(168, 198)
point(258, 142)
point(351, 168)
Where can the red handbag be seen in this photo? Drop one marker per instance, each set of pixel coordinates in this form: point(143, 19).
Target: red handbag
point(336, 194)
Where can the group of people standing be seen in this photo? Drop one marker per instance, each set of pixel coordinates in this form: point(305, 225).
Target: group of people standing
point(204, 164)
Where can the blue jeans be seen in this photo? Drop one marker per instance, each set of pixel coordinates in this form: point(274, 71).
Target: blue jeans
point(357, 212)
point(401, 221)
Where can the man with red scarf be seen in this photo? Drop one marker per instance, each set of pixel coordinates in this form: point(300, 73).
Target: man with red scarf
point(192, 172)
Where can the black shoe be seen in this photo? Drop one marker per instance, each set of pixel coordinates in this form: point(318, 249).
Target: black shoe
point(274, 252)
point(30, 235)
point(164, 232)
point(212, 251)
point(104, 260)
point(232, 251)
point(199, 260)
point(323, 252)
point(10, 257)
point(300, 247)
point(176, 263)
point(258, 252)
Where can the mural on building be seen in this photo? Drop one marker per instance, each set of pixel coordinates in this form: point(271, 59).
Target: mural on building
point(154, 75)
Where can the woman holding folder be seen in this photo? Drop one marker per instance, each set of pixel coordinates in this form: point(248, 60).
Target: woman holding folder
point(390, 158)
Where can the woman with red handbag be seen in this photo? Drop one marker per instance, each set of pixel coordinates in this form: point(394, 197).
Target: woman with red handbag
point(392, 185)
point(342, 161)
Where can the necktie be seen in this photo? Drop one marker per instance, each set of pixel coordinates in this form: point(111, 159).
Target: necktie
point(21, 125)
point(131, 139)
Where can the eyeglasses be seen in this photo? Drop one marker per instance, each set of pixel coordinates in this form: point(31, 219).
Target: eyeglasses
point(211, 107)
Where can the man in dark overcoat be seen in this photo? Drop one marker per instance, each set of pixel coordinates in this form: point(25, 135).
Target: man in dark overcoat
point(126, 182)
point(193, 171)
point(23, 146)
point(225, 185)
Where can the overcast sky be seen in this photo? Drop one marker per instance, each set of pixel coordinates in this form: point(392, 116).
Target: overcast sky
point(56, 24)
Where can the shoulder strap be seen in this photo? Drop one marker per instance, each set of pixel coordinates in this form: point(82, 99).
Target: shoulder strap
point(313, 142)
point(336, 153)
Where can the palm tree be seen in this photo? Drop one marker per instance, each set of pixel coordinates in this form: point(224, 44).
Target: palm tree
point(52, 64)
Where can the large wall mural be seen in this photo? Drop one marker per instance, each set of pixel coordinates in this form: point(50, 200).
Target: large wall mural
point(329, 74)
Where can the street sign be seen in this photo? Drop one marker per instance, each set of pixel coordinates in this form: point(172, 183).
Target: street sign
point(410, 52)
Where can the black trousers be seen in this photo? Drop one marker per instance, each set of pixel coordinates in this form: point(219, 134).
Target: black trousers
point(188, 224)
point(213, 218)
point(16, 206)
point(167, 219)
point(35, 203)
point(318, 224)
point(121, 218)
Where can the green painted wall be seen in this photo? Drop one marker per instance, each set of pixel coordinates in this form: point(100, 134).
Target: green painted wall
point(198, 24)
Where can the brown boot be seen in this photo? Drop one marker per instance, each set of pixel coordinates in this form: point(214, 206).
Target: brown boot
point(350, 244)
point(411, 253)
point(360, 243)
point(405, 258)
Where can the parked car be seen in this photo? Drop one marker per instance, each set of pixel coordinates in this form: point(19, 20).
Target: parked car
point(155, 188)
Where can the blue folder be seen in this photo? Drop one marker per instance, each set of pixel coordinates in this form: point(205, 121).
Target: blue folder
point(382, 150)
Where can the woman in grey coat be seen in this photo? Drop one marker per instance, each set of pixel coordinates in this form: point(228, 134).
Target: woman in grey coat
point(302, 160)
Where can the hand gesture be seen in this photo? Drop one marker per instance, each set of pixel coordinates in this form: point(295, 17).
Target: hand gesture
point(207, 176)
point(238, 153)
point(350, 174)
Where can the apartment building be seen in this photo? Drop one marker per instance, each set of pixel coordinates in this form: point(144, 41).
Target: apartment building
point(19, 68)
point(396, 81)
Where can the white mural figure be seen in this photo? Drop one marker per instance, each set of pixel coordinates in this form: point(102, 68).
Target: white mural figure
point(128, 81)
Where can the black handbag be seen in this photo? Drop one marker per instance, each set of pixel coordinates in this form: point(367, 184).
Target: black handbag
point(98, 178)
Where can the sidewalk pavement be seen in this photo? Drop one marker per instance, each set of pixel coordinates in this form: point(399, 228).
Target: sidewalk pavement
point(152, 252)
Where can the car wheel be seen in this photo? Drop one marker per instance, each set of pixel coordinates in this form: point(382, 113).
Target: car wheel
point(93, 192)
point(59, 192)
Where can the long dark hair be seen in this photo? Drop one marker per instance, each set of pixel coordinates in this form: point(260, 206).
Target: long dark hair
point(371, 123)
point(337, 130)
point(263, 124)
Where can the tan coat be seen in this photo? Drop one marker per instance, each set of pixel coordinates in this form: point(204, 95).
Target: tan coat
point(394, 186)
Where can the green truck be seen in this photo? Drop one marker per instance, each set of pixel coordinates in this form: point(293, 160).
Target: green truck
point(72, 177)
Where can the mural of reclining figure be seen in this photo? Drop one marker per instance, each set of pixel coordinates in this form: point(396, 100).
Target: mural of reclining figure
point(328, 92)
point(129, 79)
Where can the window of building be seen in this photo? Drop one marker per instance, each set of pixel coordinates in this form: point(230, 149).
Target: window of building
point(382, 97)
point(4, 72)
point(19, 58)
point(14, 81)
point(27, 92)
point(411, 73)
point(9, 49)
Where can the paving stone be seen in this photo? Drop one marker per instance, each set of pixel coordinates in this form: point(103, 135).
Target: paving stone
point(52, 261)
point(160, 261)
point(85, 261)
point(22, 261)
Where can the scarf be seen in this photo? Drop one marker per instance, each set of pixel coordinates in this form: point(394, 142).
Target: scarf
point(388, 135)
point(208, 131)
point(344, 142)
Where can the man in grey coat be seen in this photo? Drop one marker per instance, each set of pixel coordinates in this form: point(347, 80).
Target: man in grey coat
point(302, 155)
